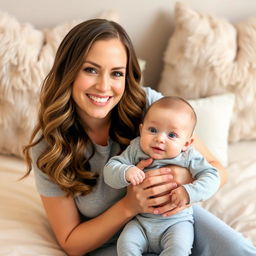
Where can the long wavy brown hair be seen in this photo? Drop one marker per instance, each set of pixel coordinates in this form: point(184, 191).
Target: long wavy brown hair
point(59, 126)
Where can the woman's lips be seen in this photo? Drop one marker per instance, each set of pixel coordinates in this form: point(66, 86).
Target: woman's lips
point(98, 100)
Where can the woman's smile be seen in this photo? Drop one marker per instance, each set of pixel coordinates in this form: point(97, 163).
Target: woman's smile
point(99, 100)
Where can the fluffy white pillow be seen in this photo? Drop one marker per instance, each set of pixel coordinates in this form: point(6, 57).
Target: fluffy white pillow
point(26, 56)
point(214, 114)
point(207, 55)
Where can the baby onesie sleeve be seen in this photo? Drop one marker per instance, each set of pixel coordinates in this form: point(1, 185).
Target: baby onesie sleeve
point(115, 169)
point(207, 180)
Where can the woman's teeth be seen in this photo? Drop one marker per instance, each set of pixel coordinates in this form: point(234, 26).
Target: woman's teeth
point(99, 100)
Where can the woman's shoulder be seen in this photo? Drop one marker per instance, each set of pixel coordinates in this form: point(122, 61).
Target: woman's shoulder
point(39, 148)
point(151, 95)
point(45, 186)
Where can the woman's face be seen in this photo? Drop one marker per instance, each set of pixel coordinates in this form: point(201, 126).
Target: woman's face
point(100, 83)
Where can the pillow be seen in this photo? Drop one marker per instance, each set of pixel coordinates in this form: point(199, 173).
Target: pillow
point(206, 56)
point(213, 120)
point(26, 56)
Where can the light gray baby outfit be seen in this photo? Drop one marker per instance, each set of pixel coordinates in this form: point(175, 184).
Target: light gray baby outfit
point(171, 235)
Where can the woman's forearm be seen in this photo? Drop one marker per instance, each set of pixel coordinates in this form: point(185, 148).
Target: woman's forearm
point(94, 233)
point(212, 160)
point(78, 238)
point(221, 171)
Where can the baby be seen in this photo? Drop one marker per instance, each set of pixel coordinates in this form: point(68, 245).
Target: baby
point(166, 135)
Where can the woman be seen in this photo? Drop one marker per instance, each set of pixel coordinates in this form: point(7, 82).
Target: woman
point(90, 108)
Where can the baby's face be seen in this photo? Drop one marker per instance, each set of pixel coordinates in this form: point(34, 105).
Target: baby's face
point(165, 133)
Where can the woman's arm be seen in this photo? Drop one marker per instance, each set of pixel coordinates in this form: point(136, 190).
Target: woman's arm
point(78, 238)
point(199, 146)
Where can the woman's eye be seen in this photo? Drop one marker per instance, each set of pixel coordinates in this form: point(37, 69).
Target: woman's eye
point(152, 129)
point(172, 135)
point(118, 74)
point(90, 70)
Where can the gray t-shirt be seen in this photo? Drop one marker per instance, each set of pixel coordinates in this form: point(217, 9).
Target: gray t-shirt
point(102, 196)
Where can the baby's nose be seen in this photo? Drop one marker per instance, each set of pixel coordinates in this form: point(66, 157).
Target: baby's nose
point(160, 137)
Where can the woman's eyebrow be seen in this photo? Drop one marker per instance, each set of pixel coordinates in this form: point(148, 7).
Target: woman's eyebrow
point(119, 68)
point(93, 63)
point(98, 66)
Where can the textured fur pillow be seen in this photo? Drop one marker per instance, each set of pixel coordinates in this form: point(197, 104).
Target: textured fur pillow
point(206, 56)
point(26, 56)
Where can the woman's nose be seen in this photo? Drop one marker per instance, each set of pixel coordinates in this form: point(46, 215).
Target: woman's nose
point(103, 83)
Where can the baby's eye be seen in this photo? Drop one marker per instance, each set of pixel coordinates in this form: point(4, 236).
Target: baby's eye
point(90, 70)
point(152, 129)
point(118, 74)
point(172, 135)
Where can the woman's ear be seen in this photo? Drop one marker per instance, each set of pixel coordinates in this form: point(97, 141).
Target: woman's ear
point(140, 127)
point(188, 143)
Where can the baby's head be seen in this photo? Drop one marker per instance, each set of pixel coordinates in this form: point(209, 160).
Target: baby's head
point(167, 128)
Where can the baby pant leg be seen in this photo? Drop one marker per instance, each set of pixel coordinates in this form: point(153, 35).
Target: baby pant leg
point(132, 240)
point(178, 239)
point(111, 251)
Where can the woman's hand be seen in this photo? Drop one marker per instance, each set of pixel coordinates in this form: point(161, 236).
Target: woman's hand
point(153, 194)
point(180, 174)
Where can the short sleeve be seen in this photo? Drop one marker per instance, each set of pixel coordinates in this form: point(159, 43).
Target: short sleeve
point(44, 185)
point(152, 95)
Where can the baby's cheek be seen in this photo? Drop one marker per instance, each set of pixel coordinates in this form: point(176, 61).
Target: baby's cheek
point(144, 145)
point(174, 149)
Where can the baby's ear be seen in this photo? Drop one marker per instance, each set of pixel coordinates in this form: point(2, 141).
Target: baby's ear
point(188, 143)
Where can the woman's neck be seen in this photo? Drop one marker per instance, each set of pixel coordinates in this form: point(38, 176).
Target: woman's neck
point(98, 131)
point(99, 137)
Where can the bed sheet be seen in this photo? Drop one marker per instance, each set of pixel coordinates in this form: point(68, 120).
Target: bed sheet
point(24, 229)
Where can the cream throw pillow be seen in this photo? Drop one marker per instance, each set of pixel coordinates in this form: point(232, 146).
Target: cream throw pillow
point(213, 120)
point(206, 56)
point(26, 56)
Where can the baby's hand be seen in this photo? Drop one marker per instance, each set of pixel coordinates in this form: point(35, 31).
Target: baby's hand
point(179, 197)
point(134, 175)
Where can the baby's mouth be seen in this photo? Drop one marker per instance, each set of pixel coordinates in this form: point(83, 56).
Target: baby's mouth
point(157, 149)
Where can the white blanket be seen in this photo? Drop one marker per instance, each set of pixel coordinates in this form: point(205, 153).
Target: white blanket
point(24, 229)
